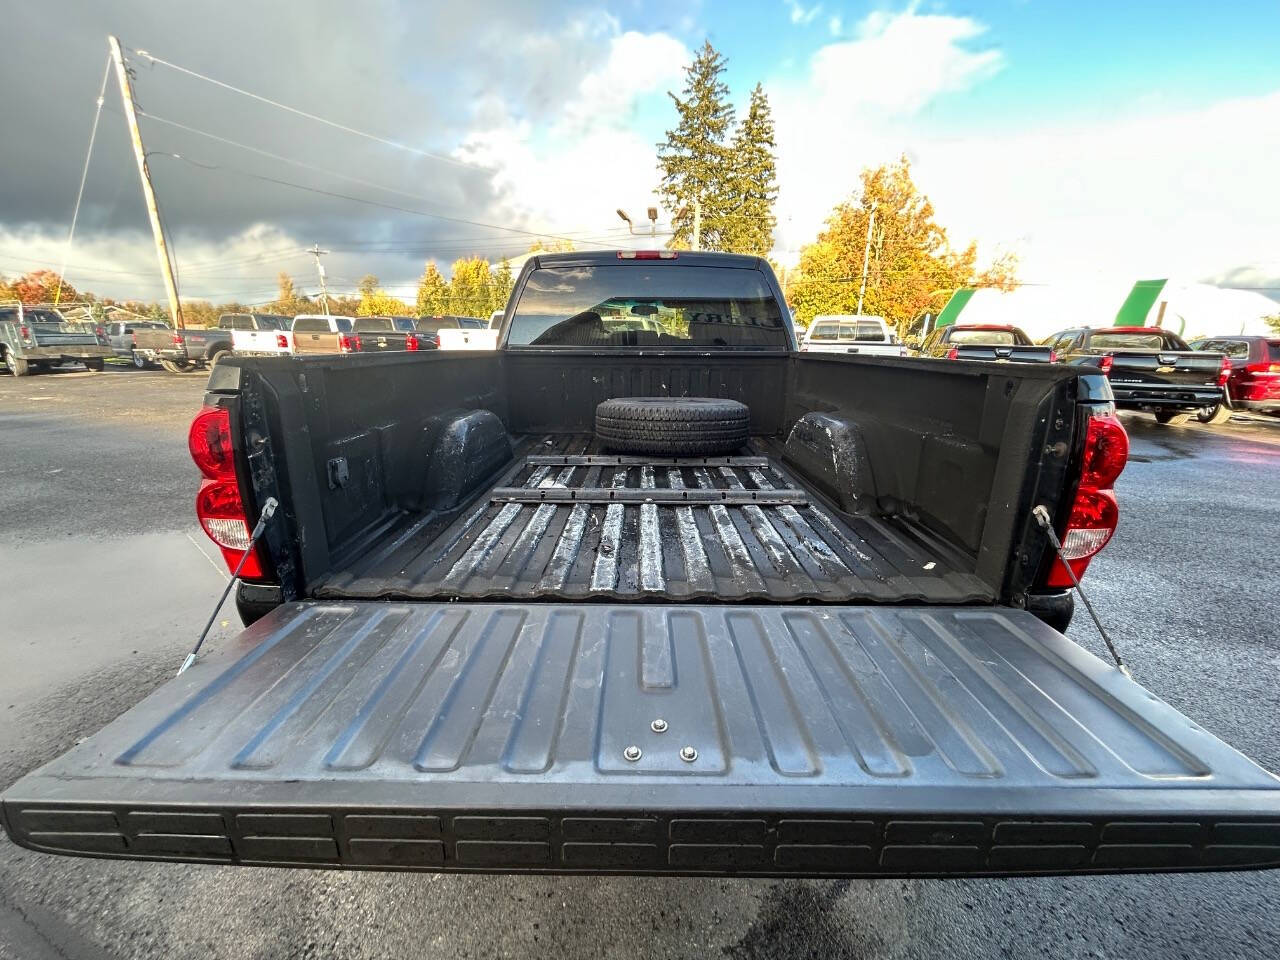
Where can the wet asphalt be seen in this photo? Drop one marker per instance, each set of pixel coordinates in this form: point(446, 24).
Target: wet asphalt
point(105, 578)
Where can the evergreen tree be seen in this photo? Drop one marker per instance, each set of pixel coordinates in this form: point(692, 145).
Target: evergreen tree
point(750, 221)
point(433, 292)
point(694, 159)
point(469, 287)
point(368, 285)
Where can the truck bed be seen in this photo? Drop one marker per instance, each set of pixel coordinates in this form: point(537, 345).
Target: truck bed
point(776, 740)
point(567, 521)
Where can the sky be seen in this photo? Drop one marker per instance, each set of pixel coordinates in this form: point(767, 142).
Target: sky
point(1100, 142)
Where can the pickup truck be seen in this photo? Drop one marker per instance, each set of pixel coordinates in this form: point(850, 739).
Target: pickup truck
point(1149, 368)
point(380, 334)
point(122, 335)
point(190, 349)
point(988, 341)
point(317, 333)
point(38, 338)
point(259, 334)
point(677, 602)
point(869, 336)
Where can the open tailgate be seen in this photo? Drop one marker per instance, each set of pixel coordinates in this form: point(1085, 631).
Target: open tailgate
point(823, 741)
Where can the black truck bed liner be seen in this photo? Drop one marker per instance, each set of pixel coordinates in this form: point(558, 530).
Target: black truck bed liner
point(873, 741)
point(569, 522)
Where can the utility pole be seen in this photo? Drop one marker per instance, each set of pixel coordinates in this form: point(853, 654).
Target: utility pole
point(866, 256)
point(148, 194)
point(324, 293)
point(697, 223)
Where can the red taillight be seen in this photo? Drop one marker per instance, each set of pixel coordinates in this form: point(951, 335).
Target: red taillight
point(133, 339)
point(218, 505)
point(221, 514)
point(209, 441)
point(177, 340)
point(436, 340)
point(953, 353)
point(1224, 371)
point(1053, 356)
point(646, 255)
point(347, 343)
point(410, 342)
point(1094, 514)
point(282, 341)
point(1104, 363)
point(25, 332)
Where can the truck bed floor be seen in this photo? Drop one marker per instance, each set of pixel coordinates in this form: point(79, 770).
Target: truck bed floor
point(570, 522)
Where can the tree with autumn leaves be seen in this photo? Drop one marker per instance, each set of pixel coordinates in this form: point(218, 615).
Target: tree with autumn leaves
point(911, 266)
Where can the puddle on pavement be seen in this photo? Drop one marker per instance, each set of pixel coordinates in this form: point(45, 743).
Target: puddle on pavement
point(76, 606)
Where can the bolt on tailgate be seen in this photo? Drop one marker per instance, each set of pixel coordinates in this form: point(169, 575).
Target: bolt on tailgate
point(823, 741)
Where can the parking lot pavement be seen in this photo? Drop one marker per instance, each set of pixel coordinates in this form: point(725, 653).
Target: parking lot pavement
point(104, 593)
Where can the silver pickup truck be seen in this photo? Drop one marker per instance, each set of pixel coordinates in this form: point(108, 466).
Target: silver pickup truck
point(38, 338)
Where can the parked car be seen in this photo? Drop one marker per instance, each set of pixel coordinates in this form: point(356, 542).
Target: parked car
point(259, 334)
point(852, 334)
point(322, 333)
point(1254, 382)
point(39, 338)
point(985, 341)
point(431, 326)
point(380, 334)
point(193, 349)
point(122, 335)
point(721, 608)
point(1149, 368)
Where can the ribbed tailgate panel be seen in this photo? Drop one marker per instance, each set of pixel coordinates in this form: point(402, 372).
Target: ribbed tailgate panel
point(789, 740)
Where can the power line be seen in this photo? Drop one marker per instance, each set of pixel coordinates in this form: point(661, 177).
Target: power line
point(282, 159)
point(84, 175)
point(311, 116)
point(540, 234)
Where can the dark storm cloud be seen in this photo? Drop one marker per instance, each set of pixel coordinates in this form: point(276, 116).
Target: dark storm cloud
point(406, 71)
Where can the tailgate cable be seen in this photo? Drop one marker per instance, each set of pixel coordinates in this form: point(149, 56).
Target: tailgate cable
point(1046, 523)
point(268, 511)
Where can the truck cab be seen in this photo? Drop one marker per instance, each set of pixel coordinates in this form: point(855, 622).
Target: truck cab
point(870, 336)
point(315, 333)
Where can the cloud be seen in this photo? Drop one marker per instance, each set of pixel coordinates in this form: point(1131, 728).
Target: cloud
point(836, 25)
point(591, 159)
point(846, 110)
point(802, 15)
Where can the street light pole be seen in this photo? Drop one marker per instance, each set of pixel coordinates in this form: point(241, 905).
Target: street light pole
point(316, 252)
point(866, 256)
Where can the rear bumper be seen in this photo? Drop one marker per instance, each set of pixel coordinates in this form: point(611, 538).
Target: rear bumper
point(66, 353)
point(829, 741)
point(1259, 406)
point(1180, 398)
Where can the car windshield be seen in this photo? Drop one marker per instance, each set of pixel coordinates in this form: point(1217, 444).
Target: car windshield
point(677, 306)
point(1273, 348)
point(1126, 341)
point(436, 324)
point(998, 338)
point(374, 325)
point(853, 330)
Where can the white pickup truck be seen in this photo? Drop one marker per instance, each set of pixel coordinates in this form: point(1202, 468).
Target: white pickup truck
point(258, 334)
point(870, 336)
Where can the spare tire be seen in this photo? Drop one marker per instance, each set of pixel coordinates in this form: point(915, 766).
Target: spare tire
point(672, 426)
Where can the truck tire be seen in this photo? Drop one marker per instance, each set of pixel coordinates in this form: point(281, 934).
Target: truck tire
point(139, 360)
point(96, 366)
point(1172, 419)
point(1216, 415)
point(17, 366)
point(186, 366)
point(218, 355)
point(672, 426)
